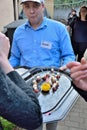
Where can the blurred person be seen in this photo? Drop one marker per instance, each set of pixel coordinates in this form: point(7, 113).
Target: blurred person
point(79, 33)
point(18, 102)
point(40, 42)
point(71, 16)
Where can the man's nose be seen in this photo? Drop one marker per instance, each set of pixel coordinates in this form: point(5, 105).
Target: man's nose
point(31, 10)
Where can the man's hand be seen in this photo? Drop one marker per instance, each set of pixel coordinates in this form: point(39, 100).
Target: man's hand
point(78, 73)
point(4, 45)
point(4, 50)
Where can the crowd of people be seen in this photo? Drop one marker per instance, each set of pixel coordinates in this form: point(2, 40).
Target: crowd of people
point(40, 42)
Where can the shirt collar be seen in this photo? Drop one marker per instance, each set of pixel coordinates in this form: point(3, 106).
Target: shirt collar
point(43, 24)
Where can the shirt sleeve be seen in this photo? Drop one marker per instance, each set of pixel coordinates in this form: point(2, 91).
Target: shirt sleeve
point(15, 53)
point(67, 53)
point(18, 106)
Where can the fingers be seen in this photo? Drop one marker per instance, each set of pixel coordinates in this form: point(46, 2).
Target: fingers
point(77, 66)
point(79, 75)
point(63, 67)
point(3, 37)
point(83, 61)
point(72, 64)
point(4, 45)
point(78, 70)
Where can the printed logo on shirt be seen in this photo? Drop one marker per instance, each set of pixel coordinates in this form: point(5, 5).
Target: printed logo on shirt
point(46, 44)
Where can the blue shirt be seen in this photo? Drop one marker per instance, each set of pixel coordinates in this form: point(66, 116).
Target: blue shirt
point(48, 45)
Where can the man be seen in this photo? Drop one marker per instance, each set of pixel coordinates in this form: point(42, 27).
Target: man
point(40, 42)
point(18, 102)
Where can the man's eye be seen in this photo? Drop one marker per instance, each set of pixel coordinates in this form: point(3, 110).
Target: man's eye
point(26, 6)
point(36, 5)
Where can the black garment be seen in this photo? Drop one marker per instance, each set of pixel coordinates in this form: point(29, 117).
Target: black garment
point(79, 49)
point(71, 19)
point(81, 92)
point(79, 37)
point(79, 31)
point(1, 127)
point(18, 102)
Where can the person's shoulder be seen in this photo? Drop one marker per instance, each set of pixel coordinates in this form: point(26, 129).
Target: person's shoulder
point(22, 26)
point(20, 29)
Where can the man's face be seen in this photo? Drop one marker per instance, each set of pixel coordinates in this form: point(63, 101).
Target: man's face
point(34, 12)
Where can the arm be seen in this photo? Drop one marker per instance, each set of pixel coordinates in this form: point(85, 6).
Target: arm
point(15, 52)
point(67, 54)
point(18, 107)
point(15, 105)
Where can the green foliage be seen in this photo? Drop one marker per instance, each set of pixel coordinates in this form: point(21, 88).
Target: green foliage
point(6, 124)
point(69, 3)
point(66, 1)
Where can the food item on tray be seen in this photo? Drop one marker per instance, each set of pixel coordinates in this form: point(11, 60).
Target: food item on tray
point(38, 79)
point(55, 86)
point(53, 79)
point(58, 75)
point(35, 86)
point(45, 87)
point(46, 81)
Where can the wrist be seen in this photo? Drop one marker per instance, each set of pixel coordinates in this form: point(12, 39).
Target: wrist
point(5, 65)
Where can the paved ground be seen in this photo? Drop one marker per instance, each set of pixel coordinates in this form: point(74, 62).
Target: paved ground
point(76, 119)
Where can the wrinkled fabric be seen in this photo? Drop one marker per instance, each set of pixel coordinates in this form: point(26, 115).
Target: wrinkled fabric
point(49, 43)
point(18, 102)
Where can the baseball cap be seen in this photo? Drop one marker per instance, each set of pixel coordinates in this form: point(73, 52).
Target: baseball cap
point(38, 1)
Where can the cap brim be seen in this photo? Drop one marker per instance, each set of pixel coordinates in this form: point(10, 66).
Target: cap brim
point(30, 0)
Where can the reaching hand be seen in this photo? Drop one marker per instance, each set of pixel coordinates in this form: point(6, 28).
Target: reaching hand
point(79, 73)
point(4, 45)
point(4, 50)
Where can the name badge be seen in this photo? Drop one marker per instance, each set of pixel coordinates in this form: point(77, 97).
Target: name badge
point(47, 45)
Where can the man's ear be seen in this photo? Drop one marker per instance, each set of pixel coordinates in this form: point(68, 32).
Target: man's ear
point(43, 6)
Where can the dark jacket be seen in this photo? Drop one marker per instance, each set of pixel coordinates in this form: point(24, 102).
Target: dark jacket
point(71, 20)
point(18, 103)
